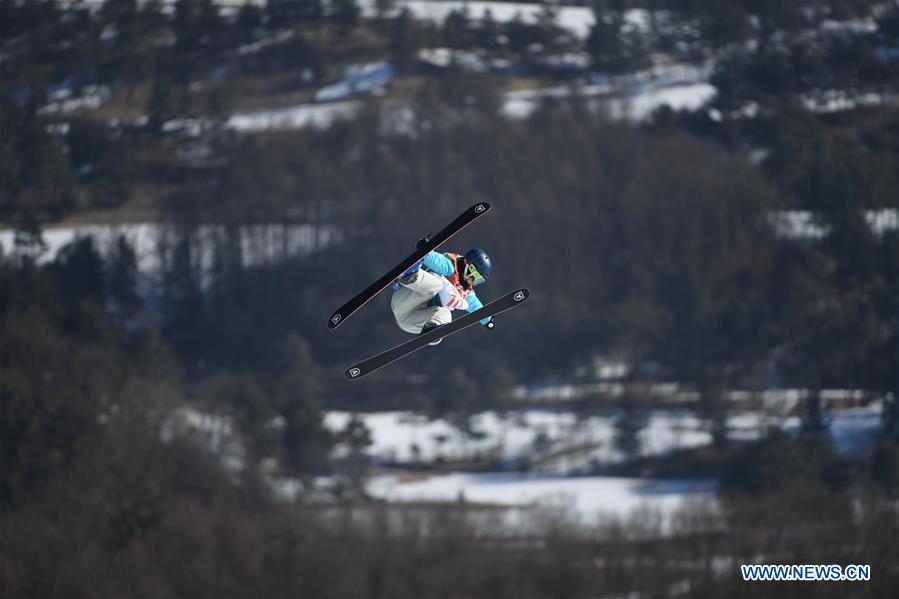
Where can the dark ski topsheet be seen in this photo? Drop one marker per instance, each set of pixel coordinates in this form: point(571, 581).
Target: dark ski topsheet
point(510, 300)
point(360, 300)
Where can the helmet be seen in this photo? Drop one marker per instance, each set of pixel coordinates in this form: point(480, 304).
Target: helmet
point(480, 260)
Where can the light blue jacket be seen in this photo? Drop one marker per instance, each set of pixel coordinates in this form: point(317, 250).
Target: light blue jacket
point(443, 265)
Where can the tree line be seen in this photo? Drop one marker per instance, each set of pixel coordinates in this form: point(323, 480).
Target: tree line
point(765, 56)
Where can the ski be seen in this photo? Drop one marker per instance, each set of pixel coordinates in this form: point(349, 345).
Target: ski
point(508, 301)
point(462, 221)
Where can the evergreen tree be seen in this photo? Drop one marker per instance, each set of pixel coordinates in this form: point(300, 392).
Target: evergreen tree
point(306, 441)
point(457, 399)
point(44, 164)
point(281, 12)
point(766, 466)
point(40, 169)
point(630, 421)
point(153, 16)
point(247, 21)
point(197, 23)
point(519, 34)
point(713, 408)
point(122, 278)
point(487, 33)
point(35, 19)
point(181, 294)
point(346, 14)
point(123, 16)
point(384, 7)
point(79, 272)
point(298, 383)
point(403, 42)
point(885, 467)
point(723, 23)
point(88, 144)
point(890, 417)
point(814, 422)
point(241, 397)
point(456, 27)
point(888, 23)
point(28, 239)
point(162, 104)
point(358, 437)
point(602, 43)
point(547, 25)
point(499, 388)
point(219, 102)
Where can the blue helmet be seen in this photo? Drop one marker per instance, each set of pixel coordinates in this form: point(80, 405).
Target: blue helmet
point(481, 261)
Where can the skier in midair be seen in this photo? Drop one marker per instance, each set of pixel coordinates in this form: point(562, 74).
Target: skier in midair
point(436, 285)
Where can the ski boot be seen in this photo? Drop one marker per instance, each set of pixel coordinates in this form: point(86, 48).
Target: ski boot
point(430, 327)
point(405, 277)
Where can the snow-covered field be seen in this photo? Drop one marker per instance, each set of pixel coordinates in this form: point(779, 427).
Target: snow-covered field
point(576, 19)
point(634, 106)
point(301, 116)
point(358, 78)
point(558, 442)
point(559, 450)
point(630, 102)
point(633, 97)
point(260, 244)
point(584, 499)
point(803, 224)
point(64, 100)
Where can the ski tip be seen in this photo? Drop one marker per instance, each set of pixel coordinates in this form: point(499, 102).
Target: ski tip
point(335, 320)
point(353, 373)
point(481, 207)
point(519, 295)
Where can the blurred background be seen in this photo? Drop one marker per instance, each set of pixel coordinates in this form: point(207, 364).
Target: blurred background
point(700, 194)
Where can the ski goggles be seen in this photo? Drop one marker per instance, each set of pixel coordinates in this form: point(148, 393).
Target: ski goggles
point(471, 271)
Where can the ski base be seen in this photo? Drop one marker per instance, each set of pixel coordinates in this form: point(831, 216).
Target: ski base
point(507, 302)
point(462, 221)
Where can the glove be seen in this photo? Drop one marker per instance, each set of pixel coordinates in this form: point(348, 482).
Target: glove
point(491, 325)
point(421, 242)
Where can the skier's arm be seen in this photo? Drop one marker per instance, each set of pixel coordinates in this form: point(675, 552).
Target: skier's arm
point(442, 265)
point(475, 304)
point(439, 264)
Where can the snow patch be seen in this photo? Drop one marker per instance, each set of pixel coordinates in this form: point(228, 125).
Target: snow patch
point(62, 101)
point(588, 499)
point(260, 244)
point(561, 442)
point(320, 116)
point(358, 79)
point(805, 224)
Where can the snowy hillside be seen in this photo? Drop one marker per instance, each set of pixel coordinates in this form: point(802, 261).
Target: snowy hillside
point(261, 244)
point(586, 499)
point(558, 442)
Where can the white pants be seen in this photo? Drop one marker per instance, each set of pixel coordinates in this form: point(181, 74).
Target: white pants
point(410, 303)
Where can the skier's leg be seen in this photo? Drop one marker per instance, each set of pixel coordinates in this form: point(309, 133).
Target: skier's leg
point(412, 313)
point(440, 316)
point(423, 282)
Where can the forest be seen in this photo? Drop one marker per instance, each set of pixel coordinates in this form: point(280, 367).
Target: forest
point(655, 243)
